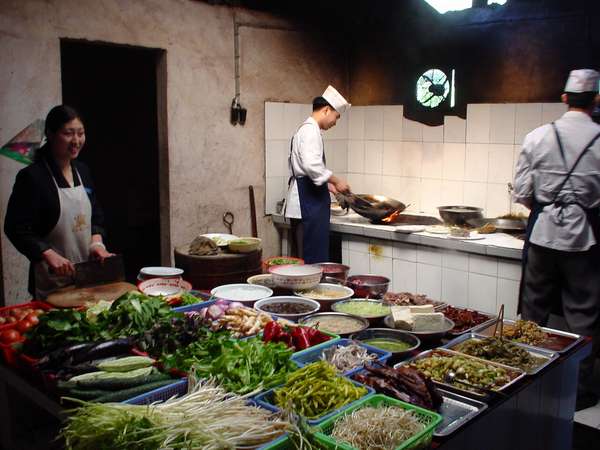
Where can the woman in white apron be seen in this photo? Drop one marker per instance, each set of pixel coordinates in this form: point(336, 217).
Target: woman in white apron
point(53, 217)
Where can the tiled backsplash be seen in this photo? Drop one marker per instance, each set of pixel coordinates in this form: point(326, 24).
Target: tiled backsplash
point(458, 278)
point(379, 151)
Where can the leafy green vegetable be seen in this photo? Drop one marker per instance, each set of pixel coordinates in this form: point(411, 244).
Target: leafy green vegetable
point(130, 315)
point(246, 365)
point(189, 299)
point(206, 347)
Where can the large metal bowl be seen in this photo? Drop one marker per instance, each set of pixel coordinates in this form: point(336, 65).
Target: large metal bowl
point(424, 335)
point(334, 270)
point(459, 215)
point(394, 335)
point(368, 286)
point(373, 320)
point(361, 324)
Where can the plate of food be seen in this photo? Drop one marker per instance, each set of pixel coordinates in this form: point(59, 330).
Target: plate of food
point(438, 229)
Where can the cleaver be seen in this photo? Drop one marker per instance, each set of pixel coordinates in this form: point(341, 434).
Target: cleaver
point(91, 273)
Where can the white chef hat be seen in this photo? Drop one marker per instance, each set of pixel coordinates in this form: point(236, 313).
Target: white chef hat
point(582, 80)
point(335, 99)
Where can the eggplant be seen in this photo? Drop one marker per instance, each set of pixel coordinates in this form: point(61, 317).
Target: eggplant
point(59, 356)
point(104, 350)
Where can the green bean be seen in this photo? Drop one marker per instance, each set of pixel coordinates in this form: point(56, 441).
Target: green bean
point(316, 390)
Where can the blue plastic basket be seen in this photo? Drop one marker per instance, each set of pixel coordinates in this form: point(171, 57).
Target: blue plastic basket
point(266, 401)
point(314, 354)
point(163, 393)
point(196, 306)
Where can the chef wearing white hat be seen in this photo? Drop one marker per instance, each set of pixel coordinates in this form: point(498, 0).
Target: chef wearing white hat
point(307, 201)
point(558, 177)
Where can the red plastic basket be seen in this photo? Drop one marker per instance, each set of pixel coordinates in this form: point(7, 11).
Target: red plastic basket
point(34, 304)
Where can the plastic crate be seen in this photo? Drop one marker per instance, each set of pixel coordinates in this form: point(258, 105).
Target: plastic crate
point(32, 304)
point(163, 393)
point(266, 400)
point(313, 354)
point(420, 440)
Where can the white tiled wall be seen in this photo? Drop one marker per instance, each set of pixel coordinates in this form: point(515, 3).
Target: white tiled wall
point(380, 151)
point(461, 279)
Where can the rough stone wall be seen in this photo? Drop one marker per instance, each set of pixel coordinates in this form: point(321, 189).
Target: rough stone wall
point(211, 162)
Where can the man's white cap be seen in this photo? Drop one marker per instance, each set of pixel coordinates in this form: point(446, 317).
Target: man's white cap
point(335, 99)
point(582, 80)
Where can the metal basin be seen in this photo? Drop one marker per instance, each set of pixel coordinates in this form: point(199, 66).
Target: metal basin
point(459, 215)
point(506, 225)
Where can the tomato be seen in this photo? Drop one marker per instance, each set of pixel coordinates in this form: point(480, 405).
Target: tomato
point(9, 336)
point(24, 325)
point(11, 319)
point(33, 318)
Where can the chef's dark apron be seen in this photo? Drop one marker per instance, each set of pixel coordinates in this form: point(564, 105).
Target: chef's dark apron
point(315, 206)
point(593, 214)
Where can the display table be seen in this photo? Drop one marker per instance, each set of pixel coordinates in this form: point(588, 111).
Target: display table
point(537, 413)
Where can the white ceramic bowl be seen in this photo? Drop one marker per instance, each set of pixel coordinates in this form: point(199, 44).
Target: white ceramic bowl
point(262, 305)
point(159, 272)
point(244, 293)
point(163, 286)
point(294, 276)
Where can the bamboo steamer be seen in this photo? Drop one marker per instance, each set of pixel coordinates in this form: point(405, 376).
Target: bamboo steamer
point(207, 272)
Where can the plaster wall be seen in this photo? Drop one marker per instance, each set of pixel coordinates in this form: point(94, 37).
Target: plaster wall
point(211, 162)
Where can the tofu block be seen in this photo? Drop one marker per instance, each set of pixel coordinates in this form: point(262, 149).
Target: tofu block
point(402, 317)
point(422, 309)
point(428, 322)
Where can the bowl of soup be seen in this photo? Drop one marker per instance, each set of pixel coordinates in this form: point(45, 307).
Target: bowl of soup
point(336, 323)
point(398, 342)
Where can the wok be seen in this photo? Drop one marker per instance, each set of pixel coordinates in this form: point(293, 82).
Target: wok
point(373, 207)
point(506, 225)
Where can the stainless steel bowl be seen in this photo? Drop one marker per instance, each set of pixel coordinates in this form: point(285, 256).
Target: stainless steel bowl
point(334, 270)
point(361, 324)
point(424, 335)
point(459, 215)
point(368, 286)
point(387, 333)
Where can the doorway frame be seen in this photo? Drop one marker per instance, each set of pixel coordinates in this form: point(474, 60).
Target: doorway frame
point(164, 196)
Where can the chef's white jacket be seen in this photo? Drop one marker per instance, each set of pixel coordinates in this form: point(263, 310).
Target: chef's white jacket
point(306, 160)
point(540, 170)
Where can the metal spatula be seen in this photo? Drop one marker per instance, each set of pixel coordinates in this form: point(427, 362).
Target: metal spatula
point(92, 273)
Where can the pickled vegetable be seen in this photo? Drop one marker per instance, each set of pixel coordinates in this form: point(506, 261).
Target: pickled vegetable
point(316, 390)
point(500, 351)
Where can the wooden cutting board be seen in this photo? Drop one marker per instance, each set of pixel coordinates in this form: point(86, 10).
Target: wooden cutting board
point(72, 297)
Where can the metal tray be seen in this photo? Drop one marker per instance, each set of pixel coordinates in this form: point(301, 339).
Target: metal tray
point(546, 355)
point(456, 411)
point(570, 339)
point(515, 374)
point(492, 319)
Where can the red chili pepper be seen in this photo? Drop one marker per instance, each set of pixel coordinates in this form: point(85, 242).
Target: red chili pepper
point(272, 332)
point(301, 339)
point(317, 337)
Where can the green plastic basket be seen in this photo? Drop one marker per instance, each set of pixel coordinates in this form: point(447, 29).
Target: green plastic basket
point(418, 441)
point(284, 443)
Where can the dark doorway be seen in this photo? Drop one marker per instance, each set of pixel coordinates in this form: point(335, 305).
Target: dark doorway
point(115, 90)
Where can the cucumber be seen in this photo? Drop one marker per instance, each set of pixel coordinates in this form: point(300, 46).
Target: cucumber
point(125, 394)
point(91, 394)
point(109, 380)
point(126, 364)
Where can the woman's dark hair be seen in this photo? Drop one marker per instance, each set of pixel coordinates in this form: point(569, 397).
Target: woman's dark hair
point(583, 100)
point(56, 118)
point(319, 103)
